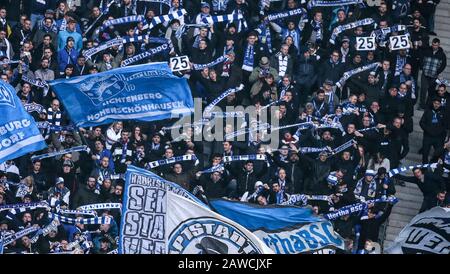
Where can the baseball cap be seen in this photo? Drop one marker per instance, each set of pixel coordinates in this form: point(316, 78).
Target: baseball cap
point(205, 5)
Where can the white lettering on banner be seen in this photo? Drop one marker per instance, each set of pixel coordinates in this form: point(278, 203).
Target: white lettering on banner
point(134, 98)
point(399, 42)
point(135, 109)
point(366, 43)
point(306, 238)
point(144, 228)
point(14, 125)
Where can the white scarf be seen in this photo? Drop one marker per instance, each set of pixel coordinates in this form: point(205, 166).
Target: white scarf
point(282, 65)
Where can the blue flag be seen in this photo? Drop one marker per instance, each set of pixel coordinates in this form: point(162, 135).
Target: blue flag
point(285, 229)
point(254, 217)
point(146, 92)
point(19, 134)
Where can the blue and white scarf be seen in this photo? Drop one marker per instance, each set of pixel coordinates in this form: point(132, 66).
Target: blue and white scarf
point(22, 207)
point(399, 170)
point(219, 60)
point(352, 25)
point(443, 81)
point(35, 82)
point(343, 147)
point(332, 3)
point(381, 34)
point(49, 126)
point(306, 150)
point(121, 21)
point(317, 28)
point(211, 19)
point(249, 58)
point(165, 18)
point(9, 62)
point(77, 212)
point(209, 108)
point(33, 107)
point(229, 159)
point(90, 52)
point(90, 221)
point(355, 71)
point(219, 5)
point(371, 192)
point(173, 160)
point(400, 62)
point(53, 226)
point(100, 206)
point(11, 238)
point(57, 153)
point(356, 208)
point(144, 55)
point(284, 14)
point(264, 35)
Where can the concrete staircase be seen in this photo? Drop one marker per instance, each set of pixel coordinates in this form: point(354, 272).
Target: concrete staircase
point(410, 197)
point(441, 27)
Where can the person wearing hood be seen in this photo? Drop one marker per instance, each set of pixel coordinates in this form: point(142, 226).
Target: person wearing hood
point(70, 32)
point(59, 194)
point(366, 187)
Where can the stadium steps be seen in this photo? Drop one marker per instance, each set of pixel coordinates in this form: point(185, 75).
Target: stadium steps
point(441, 27)
point(410, 197)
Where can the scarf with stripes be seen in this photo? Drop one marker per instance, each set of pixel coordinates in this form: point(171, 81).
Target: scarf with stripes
point(355, 71)
point(147, 54)
point(114, 42)
point(90, 221)
point(352, 25)
point(33, 107)
point(57, 153)
point(211, 19)
point(177, 159)
point(209, 108)
point(399, 170)
point(35, 82)
point(165, 18)
point(11, 238)
point(100, 206)
point(332, 3)
point(219, 60)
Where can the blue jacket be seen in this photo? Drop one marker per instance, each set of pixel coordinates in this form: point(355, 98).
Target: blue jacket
point(62, 39)
point(65, 58)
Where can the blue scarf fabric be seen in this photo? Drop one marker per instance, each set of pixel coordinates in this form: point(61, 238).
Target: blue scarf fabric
point(264, 34)
point(249, 58)
point(144, 55)
point(317, 27)
point(211, 64)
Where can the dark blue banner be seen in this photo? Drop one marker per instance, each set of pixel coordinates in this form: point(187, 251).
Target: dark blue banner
point(146, 92)
point(19, 134)
point(271, 217)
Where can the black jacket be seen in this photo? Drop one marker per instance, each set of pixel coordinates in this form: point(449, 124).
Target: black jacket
point(431, 129)
point(85, 196)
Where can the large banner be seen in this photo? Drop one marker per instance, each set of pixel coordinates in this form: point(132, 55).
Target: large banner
point(146, 92)
point(156, 220)
point(19, 134)
point(427, 233)
point(285, 229)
